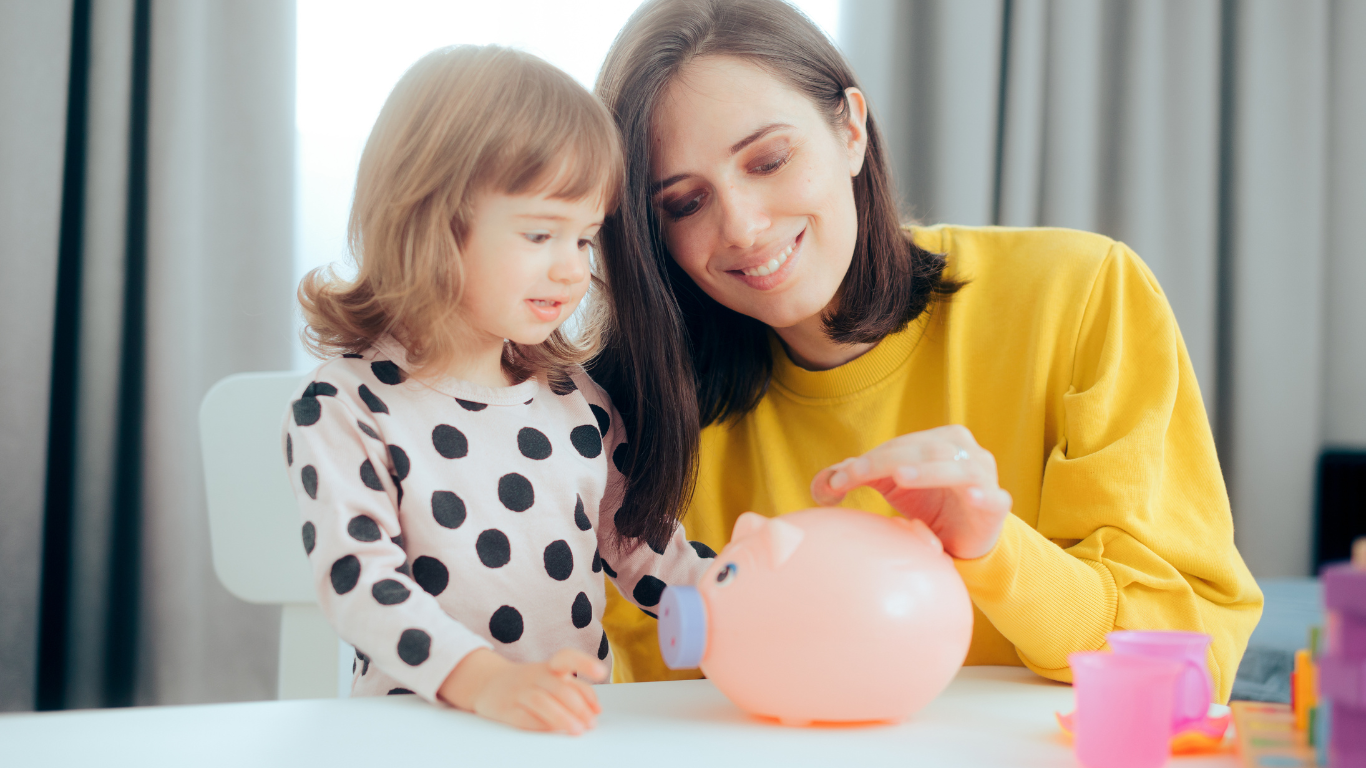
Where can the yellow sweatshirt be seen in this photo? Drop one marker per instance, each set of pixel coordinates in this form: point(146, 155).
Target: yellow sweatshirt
point(1063, 358)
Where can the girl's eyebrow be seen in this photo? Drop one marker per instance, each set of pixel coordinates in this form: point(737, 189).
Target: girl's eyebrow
point(660, 186)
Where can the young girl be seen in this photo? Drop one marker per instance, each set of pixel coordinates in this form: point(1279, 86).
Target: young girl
point(457, 472)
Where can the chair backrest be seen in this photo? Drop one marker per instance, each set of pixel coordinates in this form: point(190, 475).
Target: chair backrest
point(254, 526)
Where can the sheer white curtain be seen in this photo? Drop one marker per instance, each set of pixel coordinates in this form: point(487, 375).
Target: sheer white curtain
point(1224, 141)
point(170, 197)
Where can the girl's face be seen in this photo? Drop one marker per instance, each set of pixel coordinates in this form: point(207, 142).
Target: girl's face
point(754, 189)
point(526, 264)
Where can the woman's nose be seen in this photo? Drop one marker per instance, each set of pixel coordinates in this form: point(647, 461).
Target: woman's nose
point(742, 217)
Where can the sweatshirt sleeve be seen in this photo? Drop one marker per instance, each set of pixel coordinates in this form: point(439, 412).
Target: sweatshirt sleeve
point(1134, 528)
point(638, 570)
point(348, 484)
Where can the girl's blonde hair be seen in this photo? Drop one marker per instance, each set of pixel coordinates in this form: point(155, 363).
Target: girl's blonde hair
point(462, 121)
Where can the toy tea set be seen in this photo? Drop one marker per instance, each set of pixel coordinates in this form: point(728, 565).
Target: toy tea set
point(836, 616)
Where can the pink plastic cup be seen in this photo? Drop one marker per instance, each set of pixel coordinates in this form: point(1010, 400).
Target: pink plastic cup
point(1124, 709)
point(1195, 687)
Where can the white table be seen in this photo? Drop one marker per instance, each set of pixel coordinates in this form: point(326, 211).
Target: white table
point(989, 716)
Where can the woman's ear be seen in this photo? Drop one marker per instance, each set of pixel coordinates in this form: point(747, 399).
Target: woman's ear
point(856, 129)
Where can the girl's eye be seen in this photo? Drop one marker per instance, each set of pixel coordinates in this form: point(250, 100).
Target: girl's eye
point(726, 575)
point(585, 245)
point(537, 237)
point(686, 207)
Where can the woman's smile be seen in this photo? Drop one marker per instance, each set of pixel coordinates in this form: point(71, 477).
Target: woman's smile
point(764, 273)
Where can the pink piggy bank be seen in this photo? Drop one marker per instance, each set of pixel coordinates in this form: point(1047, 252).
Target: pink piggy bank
point(827, 614)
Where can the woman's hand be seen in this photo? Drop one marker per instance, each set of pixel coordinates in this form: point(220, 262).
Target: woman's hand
point(536, 697)
point(940, 476)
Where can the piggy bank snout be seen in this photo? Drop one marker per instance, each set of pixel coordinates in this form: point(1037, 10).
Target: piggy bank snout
point(682, 627)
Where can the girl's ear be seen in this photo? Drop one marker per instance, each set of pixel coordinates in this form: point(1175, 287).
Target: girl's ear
point(856, 129)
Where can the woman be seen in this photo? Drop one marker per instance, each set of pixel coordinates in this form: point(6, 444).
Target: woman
point(785, 342)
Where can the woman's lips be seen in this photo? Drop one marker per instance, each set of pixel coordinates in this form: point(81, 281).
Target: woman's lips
point(773, 272)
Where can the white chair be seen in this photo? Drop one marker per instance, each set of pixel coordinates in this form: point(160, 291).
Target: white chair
point(254, 527)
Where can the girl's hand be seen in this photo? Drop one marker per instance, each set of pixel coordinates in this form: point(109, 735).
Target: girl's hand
point(537, 697)
point(940, 476)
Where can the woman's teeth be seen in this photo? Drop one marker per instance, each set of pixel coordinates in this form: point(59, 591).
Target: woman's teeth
point(544, 302)
point(770, 266)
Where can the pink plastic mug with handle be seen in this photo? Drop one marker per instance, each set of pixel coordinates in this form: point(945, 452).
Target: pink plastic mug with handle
point(1124, 709)
point(1195, 687)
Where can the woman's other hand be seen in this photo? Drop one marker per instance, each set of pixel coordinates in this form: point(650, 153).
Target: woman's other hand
point(940, 476)
point(544, 696)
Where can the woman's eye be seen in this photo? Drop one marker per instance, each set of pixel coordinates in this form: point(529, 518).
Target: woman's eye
point(686, 207)
point(771, 163)
point(585, 245)
point(727, 574)
point(537, 237)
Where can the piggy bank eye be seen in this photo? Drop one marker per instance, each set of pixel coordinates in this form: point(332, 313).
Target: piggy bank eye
point(726, 575)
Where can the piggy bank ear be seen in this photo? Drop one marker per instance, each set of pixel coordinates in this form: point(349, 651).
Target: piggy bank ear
point(747, 524)
point(782, 540)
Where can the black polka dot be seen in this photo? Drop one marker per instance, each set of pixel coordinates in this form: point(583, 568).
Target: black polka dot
point(586, 441)
point(603, 647)
point(493, 548)
point(580, 519)
point(352, 355)
point(405, 569)
point(375, 404)
point(289, 451)
point(398, 488)
point(396, 691)
point(563, 386)
point(651, 614)
point(559, 560)
point(345, 574)
point(581, 612)
point(369, 477)
point(310, 538)
point(702, 550)
point(597, 561)
point(607, 568)
point(448, 509)
point(389, 592)
point(365, 660)
point(363, 528)
point(414, 646)
point(620, 458)
point(398, 540)
point(516, 492)
point(309, 477)
point(604, 421)
point(367, 430)
point(320, 389)
point(533, 444)
point(400, 462)
point(469, 406)
point(431, 575)
point(450, 442)
point(506, 625)
point(528, 402)
point(307, 411)
point(648, 590)
point(387, 372)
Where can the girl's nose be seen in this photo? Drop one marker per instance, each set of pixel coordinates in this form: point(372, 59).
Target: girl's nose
point(742, 217)
point(570, 266)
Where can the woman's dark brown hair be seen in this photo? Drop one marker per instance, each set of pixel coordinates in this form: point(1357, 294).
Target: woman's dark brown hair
point(679, 360)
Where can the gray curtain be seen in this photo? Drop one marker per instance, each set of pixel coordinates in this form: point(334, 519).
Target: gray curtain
point(146, 241)
point(1224, 141)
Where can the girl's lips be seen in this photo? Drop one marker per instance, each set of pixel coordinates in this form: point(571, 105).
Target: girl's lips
point(777, 276)
point(545, 310)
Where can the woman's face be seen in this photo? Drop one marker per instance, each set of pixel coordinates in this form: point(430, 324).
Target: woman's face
point(754, 189)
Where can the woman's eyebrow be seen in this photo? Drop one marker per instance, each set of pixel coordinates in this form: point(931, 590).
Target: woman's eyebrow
point(660, 186)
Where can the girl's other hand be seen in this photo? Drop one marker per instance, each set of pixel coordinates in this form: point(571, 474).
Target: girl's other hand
point(543, 696)
point(940, 476)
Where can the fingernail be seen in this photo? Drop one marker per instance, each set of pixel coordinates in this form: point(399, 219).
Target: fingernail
point(976, 495)
point(907, 473)
point(838, 480)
